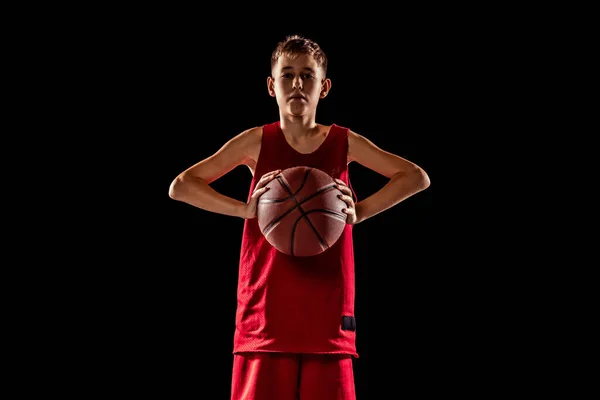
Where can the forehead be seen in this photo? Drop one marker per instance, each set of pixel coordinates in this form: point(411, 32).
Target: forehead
point(302, 62)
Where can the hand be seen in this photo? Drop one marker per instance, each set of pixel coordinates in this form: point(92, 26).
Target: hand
point(346, 195)
point(259, 190)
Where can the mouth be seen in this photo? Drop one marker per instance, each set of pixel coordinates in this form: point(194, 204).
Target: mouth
point(297, 97)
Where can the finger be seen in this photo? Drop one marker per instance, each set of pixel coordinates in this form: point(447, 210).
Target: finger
point(339, 181)
point(344, 189)
point(274, 172)
point(270, 175)
point(259, 192)
point(349, 211)
point(266, 178)
point(347, 199)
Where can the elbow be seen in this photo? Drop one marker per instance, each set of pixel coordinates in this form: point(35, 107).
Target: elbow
point(185, 187)
point(422, 178)
point(417, 178)
point(177, 188)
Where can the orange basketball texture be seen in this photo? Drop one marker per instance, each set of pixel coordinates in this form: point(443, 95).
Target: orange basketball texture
point(301, 214)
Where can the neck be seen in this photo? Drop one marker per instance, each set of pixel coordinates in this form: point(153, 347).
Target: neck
point(298, 126)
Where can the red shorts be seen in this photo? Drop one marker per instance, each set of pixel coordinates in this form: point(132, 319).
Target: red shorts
point(276, 376)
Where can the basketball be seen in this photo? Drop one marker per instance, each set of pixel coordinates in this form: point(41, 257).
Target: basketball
point(300, 214)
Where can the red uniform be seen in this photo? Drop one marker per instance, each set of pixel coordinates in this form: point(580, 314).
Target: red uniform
point(292, 304)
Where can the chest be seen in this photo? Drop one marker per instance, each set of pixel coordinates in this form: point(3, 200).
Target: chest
point(306, 145)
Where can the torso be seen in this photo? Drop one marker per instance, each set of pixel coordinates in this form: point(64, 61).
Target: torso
point(286, 303)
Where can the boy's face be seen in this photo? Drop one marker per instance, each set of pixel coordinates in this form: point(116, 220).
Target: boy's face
point(298, 84)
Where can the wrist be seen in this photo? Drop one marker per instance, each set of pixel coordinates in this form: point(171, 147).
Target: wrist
point(242, 211)
point(359, 211)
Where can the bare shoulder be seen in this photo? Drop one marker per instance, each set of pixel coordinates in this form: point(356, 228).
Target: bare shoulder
point(251, 140)
point(357, 144)
point(246, 144)
point(251, 135)
point(247, 137)
point(241, 149)
point(363, 151)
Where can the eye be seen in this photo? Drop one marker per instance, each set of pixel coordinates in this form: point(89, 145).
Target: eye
point(308, 76)
point(286, 76)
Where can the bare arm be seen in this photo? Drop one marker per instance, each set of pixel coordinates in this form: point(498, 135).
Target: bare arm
point(192, 186)
point(406, 178)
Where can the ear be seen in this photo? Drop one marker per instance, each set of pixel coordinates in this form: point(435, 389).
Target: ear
point(325, 87)
point(271, 86)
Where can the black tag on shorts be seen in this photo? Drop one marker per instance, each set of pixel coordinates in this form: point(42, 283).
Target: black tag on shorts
point(348, 323)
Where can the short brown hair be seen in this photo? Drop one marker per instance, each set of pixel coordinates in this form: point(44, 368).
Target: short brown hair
point(294, 45)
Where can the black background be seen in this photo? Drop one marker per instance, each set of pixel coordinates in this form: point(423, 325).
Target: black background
point(172, 91)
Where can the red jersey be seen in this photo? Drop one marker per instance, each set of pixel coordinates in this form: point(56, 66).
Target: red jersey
point(296, 304)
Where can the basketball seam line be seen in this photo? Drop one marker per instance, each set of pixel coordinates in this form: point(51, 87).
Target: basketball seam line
point(302, 212)
point(318, 192)
point(338, 216)
point(280, 178)
point(287, 188)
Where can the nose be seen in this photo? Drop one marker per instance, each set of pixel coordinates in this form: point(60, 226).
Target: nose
point(297, 83)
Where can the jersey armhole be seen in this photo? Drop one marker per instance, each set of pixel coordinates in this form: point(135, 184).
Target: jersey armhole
point(346, 133)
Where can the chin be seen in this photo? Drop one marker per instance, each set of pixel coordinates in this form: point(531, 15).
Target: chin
point(298, 111)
